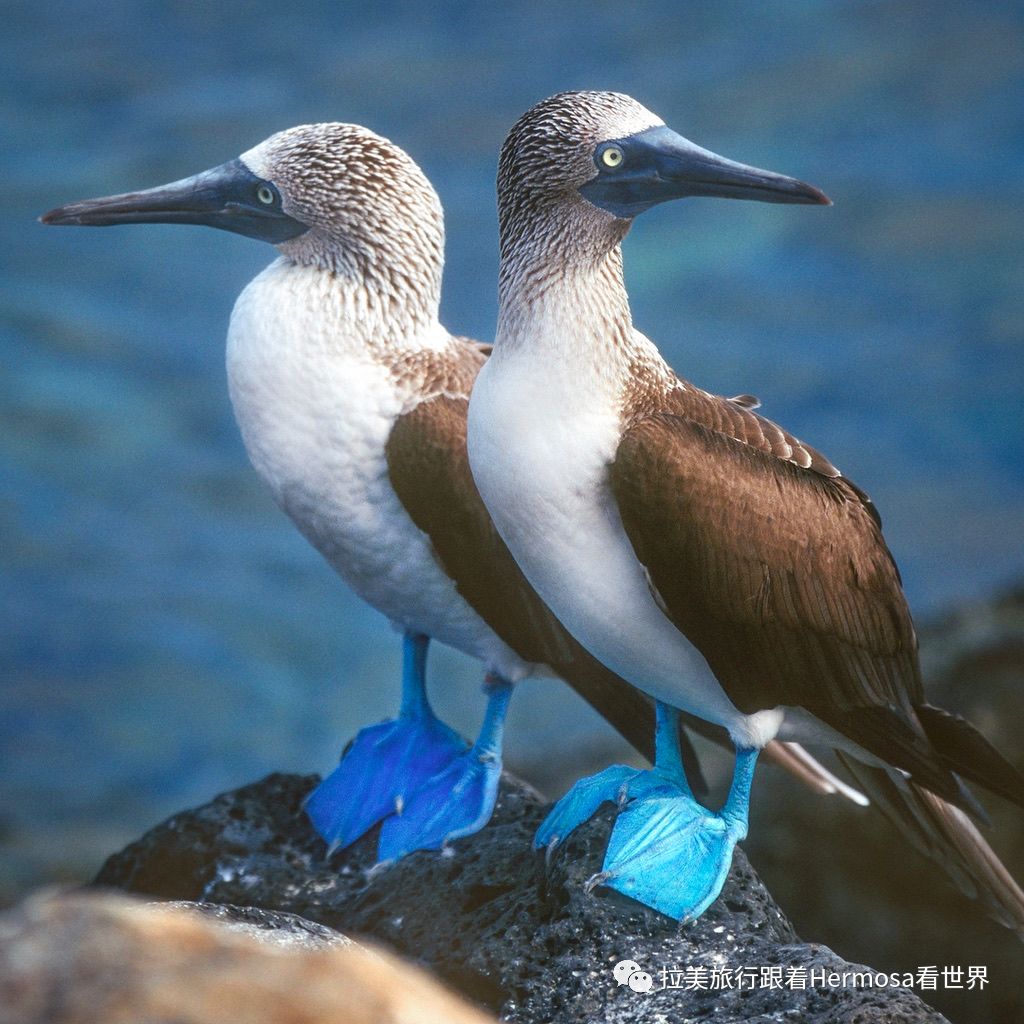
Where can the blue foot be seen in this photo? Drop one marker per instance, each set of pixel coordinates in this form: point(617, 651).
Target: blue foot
point(386, 762)
point(459, 799)
point(666, 850)
point(582, 801)
point(671, 854)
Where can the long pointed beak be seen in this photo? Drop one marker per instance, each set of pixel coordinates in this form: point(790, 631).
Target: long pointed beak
point(658, 165)
point(693, 171)
point(225, 197)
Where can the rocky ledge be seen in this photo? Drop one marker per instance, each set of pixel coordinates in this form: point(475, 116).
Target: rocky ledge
point(513, 932)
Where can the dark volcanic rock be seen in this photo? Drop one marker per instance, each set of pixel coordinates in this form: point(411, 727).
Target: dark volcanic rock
point(510, 931)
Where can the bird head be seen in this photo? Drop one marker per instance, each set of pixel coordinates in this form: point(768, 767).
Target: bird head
point(607, 158)
point(332, 195)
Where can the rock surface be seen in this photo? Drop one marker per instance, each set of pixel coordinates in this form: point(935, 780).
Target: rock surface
point(514, 934)
point(103, 959)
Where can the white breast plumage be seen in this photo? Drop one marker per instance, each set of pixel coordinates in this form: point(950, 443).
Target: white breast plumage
point(315, 409)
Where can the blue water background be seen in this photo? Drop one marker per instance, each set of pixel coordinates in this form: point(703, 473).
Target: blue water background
point(165, 632)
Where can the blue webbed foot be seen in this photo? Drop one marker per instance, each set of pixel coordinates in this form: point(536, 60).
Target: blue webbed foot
point(666, 850)
point(456, 802)
point(459, 799)
point(582, 801)
point(386, 762)
point(670, 853)
point(384, 765)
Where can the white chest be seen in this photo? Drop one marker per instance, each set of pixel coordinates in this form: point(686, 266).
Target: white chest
point(314, 413)
point(315, 409)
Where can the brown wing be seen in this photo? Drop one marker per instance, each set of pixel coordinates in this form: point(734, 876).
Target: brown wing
point(774, 567)
point(430, 472)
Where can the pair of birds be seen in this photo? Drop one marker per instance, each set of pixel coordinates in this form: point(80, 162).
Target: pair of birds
point(564, 503)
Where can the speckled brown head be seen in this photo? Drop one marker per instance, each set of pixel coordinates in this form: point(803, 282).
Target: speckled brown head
point(548, 155)
point(336, 196)
point(364, 200)
point(577, 168)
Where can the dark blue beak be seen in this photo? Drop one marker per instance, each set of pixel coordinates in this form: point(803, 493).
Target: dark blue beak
point(656, 165)
point(229, 197)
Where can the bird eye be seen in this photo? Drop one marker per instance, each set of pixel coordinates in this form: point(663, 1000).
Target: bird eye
point(265, 194)
point(612, 156)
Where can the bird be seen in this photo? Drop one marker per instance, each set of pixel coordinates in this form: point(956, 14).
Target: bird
point(351, 399)
point(693, 546)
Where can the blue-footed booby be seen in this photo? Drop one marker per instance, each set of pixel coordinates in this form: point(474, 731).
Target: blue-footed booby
point(351, 398)
point(694, 547)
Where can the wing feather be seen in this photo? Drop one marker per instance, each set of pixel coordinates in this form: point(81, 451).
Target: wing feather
point(774, 567)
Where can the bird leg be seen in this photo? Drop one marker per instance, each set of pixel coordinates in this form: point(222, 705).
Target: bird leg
point(667, 850)
point(386, 762)
point(459, 799)
point(618, 784)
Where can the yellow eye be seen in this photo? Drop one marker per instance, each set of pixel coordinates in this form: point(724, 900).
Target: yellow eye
point(265, 195)
point(612, 156)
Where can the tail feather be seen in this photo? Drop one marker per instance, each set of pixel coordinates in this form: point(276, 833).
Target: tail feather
point(945, 834)
point(809, 770)
point(966, 751)
point(897, 739)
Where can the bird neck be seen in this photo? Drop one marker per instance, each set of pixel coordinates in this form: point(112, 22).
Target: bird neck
point(303, 313)
point(565, 301)
point(389, 292)
point(369, 302)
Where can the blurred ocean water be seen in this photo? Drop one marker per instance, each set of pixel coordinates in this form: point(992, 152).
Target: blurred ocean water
point(166, 633)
